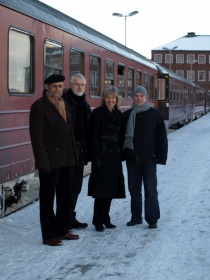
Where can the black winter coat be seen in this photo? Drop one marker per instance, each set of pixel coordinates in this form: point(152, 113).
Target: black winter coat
point(106, 182)
point(51, 136)
point(150, 137)
point(80, 118)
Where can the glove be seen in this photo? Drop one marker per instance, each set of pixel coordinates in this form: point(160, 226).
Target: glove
point(45, 170)
point(98, 163)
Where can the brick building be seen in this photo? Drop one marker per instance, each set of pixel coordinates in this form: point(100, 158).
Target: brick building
point(188, 56)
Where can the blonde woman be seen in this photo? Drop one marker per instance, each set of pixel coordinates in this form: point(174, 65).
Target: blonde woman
point(106, 179)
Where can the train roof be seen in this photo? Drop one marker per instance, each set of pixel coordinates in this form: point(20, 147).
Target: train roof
point(51, 16)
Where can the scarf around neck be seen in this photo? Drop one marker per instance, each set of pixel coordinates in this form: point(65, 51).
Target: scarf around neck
point(59, 105)
point(128, 143)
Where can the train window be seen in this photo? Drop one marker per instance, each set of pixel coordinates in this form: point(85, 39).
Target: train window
point(109, 73)
point(145, 80)
point(95, 66)
point(53, 58)
point(151, 88)
point(21, 64)
point(130, 82)
point(138, 77)
point(76, 62)
point(121, 80)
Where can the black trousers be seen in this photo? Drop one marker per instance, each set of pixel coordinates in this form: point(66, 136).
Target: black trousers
point(55, 220)
point(101, 211)
point(143, 173)
point(76, 186)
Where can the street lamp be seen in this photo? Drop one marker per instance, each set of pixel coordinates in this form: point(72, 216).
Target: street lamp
point(164, 48)
point(191, 61)
point(125, 16)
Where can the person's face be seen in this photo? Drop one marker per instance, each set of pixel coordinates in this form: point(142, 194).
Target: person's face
point(139, 99)
point(55, 90)
point(78, 86)
point(110, 101)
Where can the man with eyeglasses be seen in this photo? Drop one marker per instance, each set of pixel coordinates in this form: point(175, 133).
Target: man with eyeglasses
point(80, 116)
point(55, 156)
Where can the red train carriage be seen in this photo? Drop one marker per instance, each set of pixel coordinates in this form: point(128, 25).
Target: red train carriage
point(36, 41)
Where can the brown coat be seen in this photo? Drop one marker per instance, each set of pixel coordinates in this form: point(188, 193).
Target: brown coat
point(51, 137)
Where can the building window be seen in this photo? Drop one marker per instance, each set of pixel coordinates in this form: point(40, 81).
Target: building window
point(201, 76)
point(21, 63)
point(95, 64)
point(109, 73)
point(202, 59)
point(158, 58)
point(191, 75)
point(53, 58)
point(168, 58)
point(179, 58)
point(76, 62)
point(190, 58)
point(180, 73)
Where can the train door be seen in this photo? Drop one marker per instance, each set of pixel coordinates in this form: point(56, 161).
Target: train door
point(162, 95)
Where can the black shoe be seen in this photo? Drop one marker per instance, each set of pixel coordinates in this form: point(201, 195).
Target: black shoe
point(109, 225)
point(133, 223)
point(76, 224)
point(99, 228)
point(54, 241)
point(153, 225)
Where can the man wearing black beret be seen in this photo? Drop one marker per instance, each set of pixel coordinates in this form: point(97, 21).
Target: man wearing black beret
point(55, 156)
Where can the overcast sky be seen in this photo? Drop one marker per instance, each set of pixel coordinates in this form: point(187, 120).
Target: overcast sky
point(158, 22)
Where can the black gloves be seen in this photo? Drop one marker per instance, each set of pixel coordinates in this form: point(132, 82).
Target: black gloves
point(45, 170)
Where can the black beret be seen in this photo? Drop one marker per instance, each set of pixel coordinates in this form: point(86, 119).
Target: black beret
point(54, 78)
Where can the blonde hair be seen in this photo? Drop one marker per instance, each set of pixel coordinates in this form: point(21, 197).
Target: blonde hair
point(111, 90)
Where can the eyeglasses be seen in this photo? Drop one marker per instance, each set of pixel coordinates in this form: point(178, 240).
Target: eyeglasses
point(57, 86)
point(79, 85)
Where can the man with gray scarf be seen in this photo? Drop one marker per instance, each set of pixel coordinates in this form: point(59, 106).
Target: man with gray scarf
point(145, 146)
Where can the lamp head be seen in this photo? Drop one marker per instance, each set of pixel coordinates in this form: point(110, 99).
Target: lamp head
point(133, 13)
point(117, 15)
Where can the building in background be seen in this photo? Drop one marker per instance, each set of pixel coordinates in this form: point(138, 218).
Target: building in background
point(188, 56)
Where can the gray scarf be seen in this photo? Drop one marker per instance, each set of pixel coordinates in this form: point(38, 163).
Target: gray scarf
point(128, 143)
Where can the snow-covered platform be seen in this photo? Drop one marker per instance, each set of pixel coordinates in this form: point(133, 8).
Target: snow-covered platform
point(178, 250)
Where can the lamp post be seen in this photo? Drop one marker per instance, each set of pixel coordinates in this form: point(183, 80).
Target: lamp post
point(191, 61)
point(164, 48)
point(125, 16)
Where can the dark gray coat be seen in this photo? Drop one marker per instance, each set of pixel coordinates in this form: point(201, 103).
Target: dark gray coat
point(108, 181)
point(51, 137)
point(80, 118)
point(150, 137)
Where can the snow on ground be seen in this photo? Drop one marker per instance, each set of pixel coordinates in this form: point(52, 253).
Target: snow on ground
point(178, 250)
